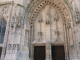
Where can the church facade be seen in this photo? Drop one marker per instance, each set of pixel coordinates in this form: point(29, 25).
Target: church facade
point(39, 30)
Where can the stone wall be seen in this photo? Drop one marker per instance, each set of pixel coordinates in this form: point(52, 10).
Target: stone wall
point(40, 23)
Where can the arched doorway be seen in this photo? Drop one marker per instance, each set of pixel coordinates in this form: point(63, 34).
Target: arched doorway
point(50, 24)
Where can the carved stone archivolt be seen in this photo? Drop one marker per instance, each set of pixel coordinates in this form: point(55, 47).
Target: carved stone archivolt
point(39, 5)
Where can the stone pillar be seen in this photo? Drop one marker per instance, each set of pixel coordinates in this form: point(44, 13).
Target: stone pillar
point(70, 42)
point(48, 51)
point(27, 44)
point(6, 34)
point(31, 46)
point(48, 33)
point(48, 43)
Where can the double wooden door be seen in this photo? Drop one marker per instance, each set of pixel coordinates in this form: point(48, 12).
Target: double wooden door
point(58, 53)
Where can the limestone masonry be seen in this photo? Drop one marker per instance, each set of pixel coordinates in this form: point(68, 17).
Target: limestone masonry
point(39, 29)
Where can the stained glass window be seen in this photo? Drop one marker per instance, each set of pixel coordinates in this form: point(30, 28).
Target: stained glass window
point(2, 30)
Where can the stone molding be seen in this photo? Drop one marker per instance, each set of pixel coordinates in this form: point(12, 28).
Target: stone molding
point(6, 2)
point(38, 6)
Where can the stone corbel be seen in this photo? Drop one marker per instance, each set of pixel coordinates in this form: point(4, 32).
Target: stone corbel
point(56, 18)
point(12, 25)
point(40, 36)
point(40, 33)
point(71, 46)
point(18, 22)
point(57, 32)
point(13, 22)
point(27, 28)
point(47, 21)
point(40, 20)
point(68, 25)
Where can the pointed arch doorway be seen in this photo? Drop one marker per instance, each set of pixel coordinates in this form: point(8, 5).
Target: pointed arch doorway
point(40, 29)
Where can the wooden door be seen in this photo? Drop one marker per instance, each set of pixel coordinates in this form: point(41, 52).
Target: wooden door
point(39, 53)
point(0, 51)
point(58, 53)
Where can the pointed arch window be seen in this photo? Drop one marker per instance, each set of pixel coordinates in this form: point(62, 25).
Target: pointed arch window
point(2, 30)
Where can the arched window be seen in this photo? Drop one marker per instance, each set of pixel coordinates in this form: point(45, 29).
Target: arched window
point(2, 29)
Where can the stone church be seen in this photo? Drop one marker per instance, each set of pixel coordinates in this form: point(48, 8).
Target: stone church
point(39, 29)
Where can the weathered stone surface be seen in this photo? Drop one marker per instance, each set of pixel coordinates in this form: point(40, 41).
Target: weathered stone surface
point(40, 23)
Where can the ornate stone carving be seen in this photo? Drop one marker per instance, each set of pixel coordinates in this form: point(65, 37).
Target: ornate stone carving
point(9, 47)
point(12, 47)
point(48, 15)
point(19, 18)
point(56, 18)
point(40, 36)
point(47, 21)
point(60, 6)
point(40, 20)
point(69, 25)
point(13, 22)
point(5, 9)
point(77, 15)
point(16, 21)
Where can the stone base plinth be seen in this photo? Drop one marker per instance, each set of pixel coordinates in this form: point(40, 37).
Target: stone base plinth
point(75, 59)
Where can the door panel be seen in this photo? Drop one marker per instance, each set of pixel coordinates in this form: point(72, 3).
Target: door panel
point(58, 53)
point(0, 51)
point(39, 53)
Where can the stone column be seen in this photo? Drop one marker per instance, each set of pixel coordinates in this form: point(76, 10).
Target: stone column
point(48, 43)
point(26, 43)
point(69, 40)
point(48, 33)
point(31, 46)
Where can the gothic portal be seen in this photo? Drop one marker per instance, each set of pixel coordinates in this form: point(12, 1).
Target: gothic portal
point(39, 30)
point(50, 24)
